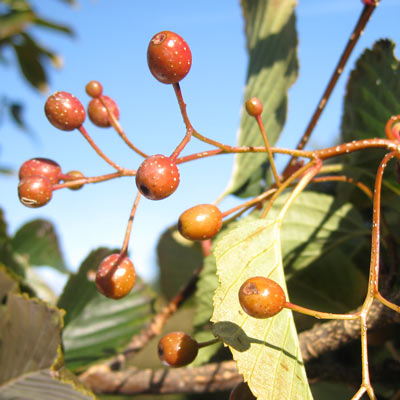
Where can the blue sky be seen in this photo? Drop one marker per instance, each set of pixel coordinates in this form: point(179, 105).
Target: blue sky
point(110, 43)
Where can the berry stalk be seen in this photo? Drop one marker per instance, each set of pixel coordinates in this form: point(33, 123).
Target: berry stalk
point(118, 128)
point(83, 131)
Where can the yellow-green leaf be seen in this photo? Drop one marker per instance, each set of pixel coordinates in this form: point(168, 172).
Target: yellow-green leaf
point(266, 350)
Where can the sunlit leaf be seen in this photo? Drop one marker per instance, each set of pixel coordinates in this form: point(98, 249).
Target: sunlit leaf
point(272, 69)
point(266, 350)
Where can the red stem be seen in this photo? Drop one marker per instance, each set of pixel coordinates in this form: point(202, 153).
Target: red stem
point(358, 30)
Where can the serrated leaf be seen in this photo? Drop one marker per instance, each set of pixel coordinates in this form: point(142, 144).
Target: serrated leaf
point(7, 283)
point(38, 243)
point(266, 350)
point(273, 67)
point(97, 327)
point(372, 97)
point(372, 94)
point(31, 366)
point(177, 259)
point(206, 286)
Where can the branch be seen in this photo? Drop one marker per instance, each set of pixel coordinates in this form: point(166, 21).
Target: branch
point(321, 339)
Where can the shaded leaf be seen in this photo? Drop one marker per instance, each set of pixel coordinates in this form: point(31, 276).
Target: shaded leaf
point(16, 112)
point(372, 97)
point(266, 350)
point(38, 243)
point(332, 284)
point(30, 63)
point(7, 284)
point(272, 69)
point(7, 255)
point(178, 258)
point(31, 366)
point(316, 224)
point(97, 327)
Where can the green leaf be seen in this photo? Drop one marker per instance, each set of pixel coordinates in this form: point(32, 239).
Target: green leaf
point(31, 365)
point(373, 93)
point(273, 68)
point(7, 255)
point(97, 327)
point(332, 284)
point(372, 97)
point(30, 63)
point(266, 350)
point(38, 243)
point(53, 25)
point(315, 225)
point(178, 258)
point(14, 23)
point(7, 284)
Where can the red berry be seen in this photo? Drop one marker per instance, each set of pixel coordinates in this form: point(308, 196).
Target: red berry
point(115, 276)
point(200, 222)
point(74, 175)
point(169, 57)
point(157, 177)
point(254, 107)
point(94, 89)
point(41, 166)
point(98, 113)
point(241, 392)
point(64, 111)
point(35, 191)
point(261, 297)
point(370, 2)
point(177, 349)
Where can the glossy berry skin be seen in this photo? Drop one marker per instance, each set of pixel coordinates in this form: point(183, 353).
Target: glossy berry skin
point(115, 276)
point(75, 175)
point(64, 111)
point(98, 113)
point(94, 89)
point(241, 392)
point(177, 349)
point(200, 222)
point(35, 191)
point(168, 57)
point(261, 297)
point(254, 107)
point(41, 166)
point(157, 177)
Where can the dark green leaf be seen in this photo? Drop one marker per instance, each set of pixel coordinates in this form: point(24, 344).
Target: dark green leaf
point(38, 243)
point(273, 66)
point(178, 258)
point(16, 111)
point(97, 327)
point(30, 63)
point(31, 366)
point(372, 97)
